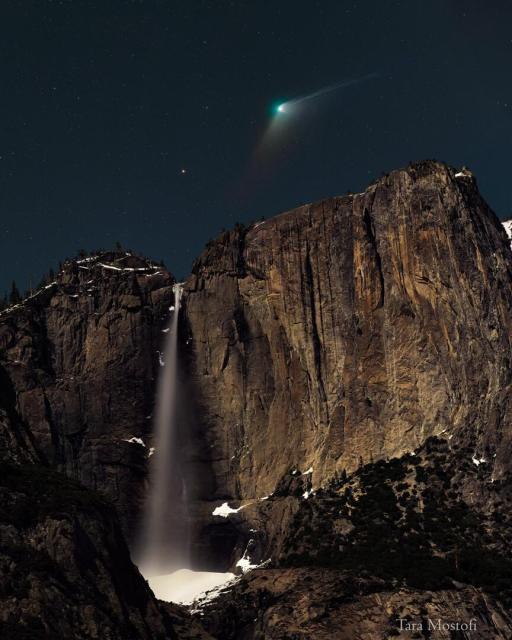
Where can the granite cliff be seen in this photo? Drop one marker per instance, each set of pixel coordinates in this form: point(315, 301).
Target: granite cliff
point(353, 329)
point(65, 566)
point(346, 391)
point(78, 364)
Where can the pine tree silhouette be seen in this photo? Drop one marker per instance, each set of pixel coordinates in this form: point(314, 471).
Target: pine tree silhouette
point(14, 297)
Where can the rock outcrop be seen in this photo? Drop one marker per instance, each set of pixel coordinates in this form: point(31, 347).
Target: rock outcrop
point(307, 604)
point(351, 330)
point(376, 554)
point(65, 567)
point(78, 365)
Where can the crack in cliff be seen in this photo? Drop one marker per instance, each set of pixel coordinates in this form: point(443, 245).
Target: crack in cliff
point(22, 433)
point(317, 346)
point(368, 226)
point(54, 432)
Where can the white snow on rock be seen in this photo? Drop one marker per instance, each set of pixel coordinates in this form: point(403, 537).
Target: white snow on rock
point(131, 269)
point(151, 451)
point(89, 259)
point(19, 305)
point(161, 359)
point(306, 473)
point(110, 266)
point(185, 586)
point(245, 563)
point(507, 225)
point(478, 461)
point(306, 494)
point(464, 173)
point(134, 440)
point(225, 510)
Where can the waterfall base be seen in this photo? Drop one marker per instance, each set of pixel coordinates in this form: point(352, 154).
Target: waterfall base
point(186, 586)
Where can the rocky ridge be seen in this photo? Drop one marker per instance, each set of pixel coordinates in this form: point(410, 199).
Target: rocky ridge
point(78, 361)
point(65, 566)
point(424, 536)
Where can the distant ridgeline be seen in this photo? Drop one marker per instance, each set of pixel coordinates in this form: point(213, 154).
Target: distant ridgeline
point(117, 259)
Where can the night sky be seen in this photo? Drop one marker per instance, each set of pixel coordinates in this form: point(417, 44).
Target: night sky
point(153, 123)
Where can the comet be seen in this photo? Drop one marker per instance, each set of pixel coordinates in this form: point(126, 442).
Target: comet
point(287, 119)
point(291, 106)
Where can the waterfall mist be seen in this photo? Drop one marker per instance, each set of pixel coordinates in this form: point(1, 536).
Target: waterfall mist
point(164, 540)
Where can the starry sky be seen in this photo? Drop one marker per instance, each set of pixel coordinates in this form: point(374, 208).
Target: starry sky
point(153, 123)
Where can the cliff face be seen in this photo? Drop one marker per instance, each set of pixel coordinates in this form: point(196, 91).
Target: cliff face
point(66, 571)
point(78, 366)
point(353, 329)
point(327, 340)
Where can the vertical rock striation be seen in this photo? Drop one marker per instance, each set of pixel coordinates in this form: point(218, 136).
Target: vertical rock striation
point(353, 329)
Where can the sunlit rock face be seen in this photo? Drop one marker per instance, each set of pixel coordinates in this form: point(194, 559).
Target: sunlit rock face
point(79, 362)
point(352, 329)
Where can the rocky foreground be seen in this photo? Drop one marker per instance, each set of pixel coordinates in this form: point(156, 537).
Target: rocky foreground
point(396, 543)
point(347, 371)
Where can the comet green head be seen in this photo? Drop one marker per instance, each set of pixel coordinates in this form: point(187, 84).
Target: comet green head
point(279, 108)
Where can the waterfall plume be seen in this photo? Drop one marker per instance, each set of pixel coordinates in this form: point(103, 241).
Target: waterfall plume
point(163, 545)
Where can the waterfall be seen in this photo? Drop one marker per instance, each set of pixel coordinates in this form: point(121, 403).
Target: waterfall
point(163, 545)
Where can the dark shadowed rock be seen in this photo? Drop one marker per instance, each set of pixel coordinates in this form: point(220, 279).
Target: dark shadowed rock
point(78, 363)
point(66, 571)
point(307, 604)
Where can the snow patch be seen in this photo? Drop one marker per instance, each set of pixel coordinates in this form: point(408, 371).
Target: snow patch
point(245, 564)
point(464, 173)
point(507, 225)
point(110, 266)
point(134, 440)
point(185, 586)
point(225, 510)
point(306, 473)
point(89, 259)
point(130, 269)
point(478, 461)
point(245, 561)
